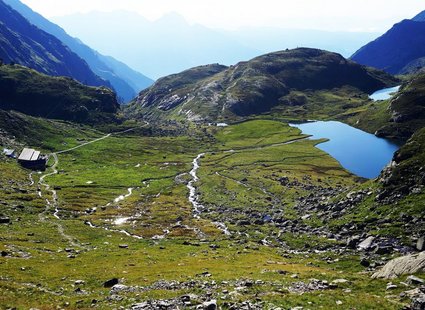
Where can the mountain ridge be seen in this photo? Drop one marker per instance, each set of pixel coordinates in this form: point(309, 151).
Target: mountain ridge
point(126, 81)
point(420, 17)
point(175, 47)
point(171, 49)
point(28, 45)
point(404, 43)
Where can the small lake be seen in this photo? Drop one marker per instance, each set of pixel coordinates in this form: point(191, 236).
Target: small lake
point(384, 94)
point(361, 153)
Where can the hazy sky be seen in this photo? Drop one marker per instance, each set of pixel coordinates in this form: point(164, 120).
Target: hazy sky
point(351, 15)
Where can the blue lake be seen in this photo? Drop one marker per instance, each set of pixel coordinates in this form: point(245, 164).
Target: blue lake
point(361, 153)
point(384, 94)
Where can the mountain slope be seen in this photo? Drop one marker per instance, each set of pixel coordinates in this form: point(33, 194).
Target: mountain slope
point(393, 51)
point(126, 81)
point(211, 92)
point(420, 17)
point(406, 109)
point(135, 79)
point(23, 43)
point(30, 92)
point(408, 170)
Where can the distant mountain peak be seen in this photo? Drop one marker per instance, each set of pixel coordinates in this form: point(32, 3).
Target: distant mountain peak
point(172, 18)
point(420, 17)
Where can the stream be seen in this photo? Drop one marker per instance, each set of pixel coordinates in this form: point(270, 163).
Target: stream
point(193, 197)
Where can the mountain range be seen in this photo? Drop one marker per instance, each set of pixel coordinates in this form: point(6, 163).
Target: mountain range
point(400, 50)
point(26, 44)
point(125, 81)
point(171, 44)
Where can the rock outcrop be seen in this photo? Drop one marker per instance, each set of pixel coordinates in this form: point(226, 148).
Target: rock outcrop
point(408, 264)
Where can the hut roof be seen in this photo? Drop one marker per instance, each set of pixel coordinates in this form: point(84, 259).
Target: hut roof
point(29, 155)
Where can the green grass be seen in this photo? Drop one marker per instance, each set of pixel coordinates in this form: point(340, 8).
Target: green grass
point(256, 133)
point(41, 275)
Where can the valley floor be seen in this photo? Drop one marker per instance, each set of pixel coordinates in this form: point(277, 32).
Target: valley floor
point(242, 216)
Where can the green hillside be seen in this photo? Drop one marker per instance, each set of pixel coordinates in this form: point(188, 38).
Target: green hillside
point(27, 91)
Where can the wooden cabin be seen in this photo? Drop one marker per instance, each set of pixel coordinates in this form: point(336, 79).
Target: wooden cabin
point(32, 159)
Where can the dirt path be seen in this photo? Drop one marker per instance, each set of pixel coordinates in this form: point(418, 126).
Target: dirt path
point(53, 202)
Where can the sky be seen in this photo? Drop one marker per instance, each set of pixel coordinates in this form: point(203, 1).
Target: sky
point(331, 15)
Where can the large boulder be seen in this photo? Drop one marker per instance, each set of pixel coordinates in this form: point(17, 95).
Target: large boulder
point(409, 264)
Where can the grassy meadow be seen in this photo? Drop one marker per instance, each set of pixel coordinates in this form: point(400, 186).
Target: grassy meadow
point(240, 179)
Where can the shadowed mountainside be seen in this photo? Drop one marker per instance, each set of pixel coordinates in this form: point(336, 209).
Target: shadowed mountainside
point(397, 51)
point(27, 91)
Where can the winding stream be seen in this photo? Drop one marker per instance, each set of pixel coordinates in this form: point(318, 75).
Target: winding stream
point(196, 163)
point(122, 231)
point(193, 198)
point(123, 197)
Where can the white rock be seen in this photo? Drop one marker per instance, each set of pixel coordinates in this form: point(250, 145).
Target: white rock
point(339, 281)
point(366, 244)
point(409, 264)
